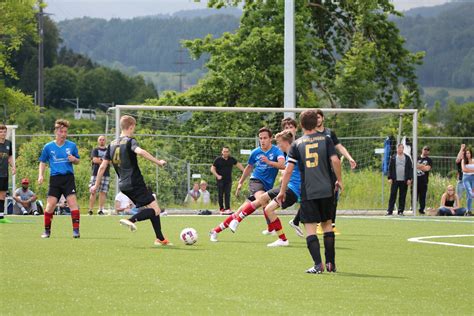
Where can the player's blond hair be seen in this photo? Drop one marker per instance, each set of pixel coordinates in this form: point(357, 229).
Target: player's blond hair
point(126, 121)
point(285, 135)
point(60, 123)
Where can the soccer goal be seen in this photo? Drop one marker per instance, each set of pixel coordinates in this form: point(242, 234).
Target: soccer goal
point(190, 138)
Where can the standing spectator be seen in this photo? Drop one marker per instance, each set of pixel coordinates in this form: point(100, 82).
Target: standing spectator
point(61, 154)
point(193, 194)
point(449, 205)
point(62, 207)
point(25, 199)
point(97, 156)
point(460, 186)
point(467, 165)
point(6, 159)
point(400, 176)
point(423, 168)
point(205, 196)
point(222, 170)
point(123, 204)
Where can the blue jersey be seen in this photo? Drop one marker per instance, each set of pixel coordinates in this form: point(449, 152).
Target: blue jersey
point(295, 181)
point(261, 171)
point(56, 156)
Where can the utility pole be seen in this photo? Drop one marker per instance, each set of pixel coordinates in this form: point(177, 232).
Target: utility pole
point(180, 64)
point(40, 55)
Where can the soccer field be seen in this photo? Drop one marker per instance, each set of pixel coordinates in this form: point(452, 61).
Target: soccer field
point(110, 270)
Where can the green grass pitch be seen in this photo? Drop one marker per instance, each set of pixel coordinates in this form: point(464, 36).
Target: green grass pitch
point(110, 270)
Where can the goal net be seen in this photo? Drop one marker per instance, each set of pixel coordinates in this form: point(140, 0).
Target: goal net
point(190, 138)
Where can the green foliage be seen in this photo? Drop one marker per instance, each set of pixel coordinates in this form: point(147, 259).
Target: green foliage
point(16, 105)
point(60, 82)
point(455, 120)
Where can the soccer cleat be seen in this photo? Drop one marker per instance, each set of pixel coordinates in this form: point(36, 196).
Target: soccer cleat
point(90, 212)
point(213, 236)
point(100, 212)
point(164, 242)
point(319, 230)
point(298, 230)
point(317, 269)
point(266, 232)
point(279, 243)
point(75, 233)
point(233, 225)
point(330, 267)
point(129, 224)
point(46, 234)
point(335, 231)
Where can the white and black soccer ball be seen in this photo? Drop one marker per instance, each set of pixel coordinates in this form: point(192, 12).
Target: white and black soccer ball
point(189, 236)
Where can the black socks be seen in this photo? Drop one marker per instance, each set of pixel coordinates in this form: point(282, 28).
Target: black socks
point(329, 247)
point(313, 247)
point(143, 215)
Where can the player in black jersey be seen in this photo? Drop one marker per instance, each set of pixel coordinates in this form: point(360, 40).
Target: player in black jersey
point(315, 154)
point(122, 153)
point(342, 151)
point(6, 159)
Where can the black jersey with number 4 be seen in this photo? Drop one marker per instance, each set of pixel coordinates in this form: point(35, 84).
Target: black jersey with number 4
point(312, 154)
point(124, 159)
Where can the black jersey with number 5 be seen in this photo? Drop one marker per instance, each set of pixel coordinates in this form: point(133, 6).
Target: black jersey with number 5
point(121, 152)
point(312, 154)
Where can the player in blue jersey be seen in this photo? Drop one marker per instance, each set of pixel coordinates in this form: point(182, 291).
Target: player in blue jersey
point(60, 154)
point(263, 165)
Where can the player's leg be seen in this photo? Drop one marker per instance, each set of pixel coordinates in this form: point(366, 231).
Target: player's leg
point(156, 223)
point(296, 220)
point(222, 226)
point(275, 225)
point(264, 200)
point(51, 202)
point(75, 214)
point(3, 195)
point(312, 242)
point(333, 220)
point(246, 209)
point(92, 196)
point(329, 246)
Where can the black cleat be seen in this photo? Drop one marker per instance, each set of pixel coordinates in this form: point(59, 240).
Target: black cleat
point(317, 269)
point(100, 213)
point(389, 214)
point(421, 212)
point(90, 212)
point(400, 214)
point(330, 267)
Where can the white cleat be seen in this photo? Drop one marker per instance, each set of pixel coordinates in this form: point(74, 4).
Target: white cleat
point(267, 233)
point(129, 224)
point(298, 230)
point(213, 236)
point(279, 243)
point(233, 225)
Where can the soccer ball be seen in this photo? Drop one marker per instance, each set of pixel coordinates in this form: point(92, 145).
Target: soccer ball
point(189, 236)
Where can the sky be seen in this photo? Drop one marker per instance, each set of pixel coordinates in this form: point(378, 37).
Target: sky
point(68, 9)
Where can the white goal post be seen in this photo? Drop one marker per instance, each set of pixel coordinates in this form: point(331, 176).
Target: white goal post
point(119, 109)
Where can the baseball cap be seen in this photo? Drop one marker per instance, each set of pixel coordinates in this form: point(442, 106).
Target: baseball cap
point(25, 181)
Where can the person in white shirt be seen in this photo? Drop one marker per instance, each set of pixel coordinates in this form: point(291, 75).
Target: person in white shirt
point(123, 204)
point(204, 195)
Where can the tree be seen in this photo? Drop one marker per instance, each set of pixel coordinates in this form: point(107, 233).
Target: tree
point(334, 41)
point(60, 82)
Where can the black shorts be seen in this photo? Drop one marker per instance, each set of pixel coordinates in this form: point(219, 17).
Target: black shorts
point(3, 183)
point(62, 185)
point(140, 196)
point(318, 210)
point(290, 199)
point(255, 185)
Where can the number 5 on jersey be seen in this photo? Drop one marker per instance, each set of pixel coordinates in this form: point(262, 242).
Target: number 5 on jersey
point(311, 155)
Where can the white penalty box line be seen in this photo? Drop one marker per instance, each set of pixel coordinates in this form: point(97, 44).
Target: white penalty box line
point(423, 240)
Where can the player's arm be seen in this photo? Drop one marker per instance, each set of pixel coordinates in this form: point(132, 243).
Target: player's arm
point(145, 154)
point(279, 164)
point(11, 162)
point(74, 157)
point(245, 174)
point(460, 155)
point(285, 180)
point(336, 166)
point(42, 167)
point(343, 151)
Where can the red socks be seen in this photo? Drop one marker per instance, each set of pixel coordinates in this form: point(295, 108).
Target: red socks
point(276, 226)
point(48, 218)
point(246, 211)
point(224, 224)
point(75, 216)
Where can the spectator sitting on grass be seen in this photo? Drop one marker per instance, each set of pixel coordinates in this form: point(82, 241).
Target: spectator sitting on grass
point(450, 203)
point(62, 207)
point(25, 200)
point(193, 195)
point(123, 205)
point(205, 196)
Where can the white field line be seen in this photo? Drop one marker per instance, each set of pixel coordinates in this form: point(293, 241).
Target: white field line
point(423, 241)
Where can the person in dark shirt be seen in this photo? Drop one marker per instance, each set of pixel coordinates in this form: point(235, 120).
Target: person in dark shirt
point(97, 155)
point(315, 156)
point(400, 177)
point(122, 153)
point(6, 159)
point(459, 185)
point(423, 168)
point(222, 169)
